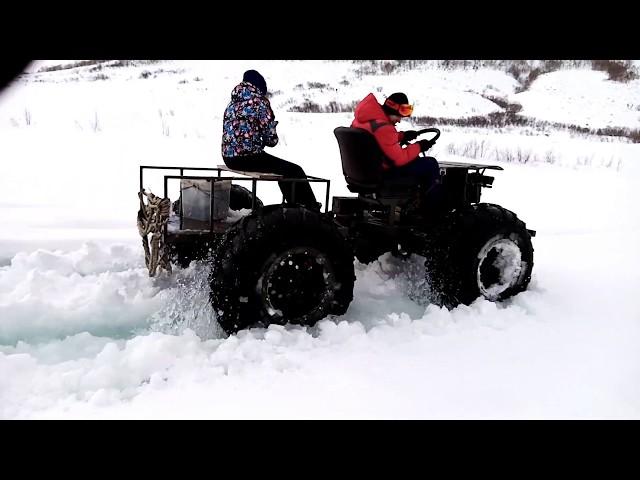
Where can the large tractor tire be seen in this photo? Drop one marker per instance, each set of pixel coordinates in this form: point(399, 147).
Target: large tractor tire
point(281, 265)
point(241, 197)
point(482, 250)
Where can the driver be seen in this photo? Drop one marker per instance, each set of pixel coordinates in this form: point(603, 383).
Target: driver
point(402, 161)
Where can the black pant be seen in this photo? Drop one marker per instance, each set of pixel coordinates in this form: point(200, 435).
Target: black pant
point(427, 171)
point(424, 168)
point(265, 163)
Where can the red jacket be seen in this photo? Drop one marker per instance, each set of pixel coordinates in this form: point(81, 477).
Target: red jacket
point(371, 117)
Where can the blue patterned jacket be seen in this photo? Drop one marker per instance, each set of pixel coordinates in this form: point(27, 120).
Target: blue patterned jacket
point(249, 123)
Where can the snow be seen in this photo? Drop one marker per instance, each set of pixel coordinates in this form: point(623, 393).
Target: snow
point(586, 96)
point(85, 333)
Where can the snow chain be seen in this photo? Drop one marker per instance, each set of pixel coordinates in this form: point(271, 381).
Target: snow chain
point(152, 219)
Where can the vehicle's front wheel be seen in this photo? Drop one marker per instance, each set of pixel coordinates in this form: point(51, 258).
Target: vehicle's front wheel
point(482, 250)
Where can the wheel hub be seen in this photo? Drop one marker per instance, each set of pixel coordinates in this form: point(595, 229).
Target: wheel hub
point(297, 283)
point(499, 267)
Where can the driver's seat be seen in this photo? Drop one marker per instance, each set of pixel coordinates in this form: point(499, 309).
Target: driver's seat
point(362, 160)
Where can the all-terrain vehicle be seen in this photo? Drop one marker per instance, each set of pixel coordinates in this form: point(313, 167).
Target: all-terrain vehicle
point(285, 263)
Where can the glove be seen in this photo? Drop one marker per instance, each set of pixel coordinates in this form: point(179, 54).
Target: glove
point(409, 135)
point(426, 144)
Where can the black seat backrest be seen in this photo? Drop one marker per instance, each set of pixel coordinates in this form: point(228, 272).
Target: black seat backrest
point(362, 158)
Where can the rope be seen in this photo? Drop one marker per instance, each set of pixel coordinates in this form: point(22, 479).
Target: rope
point(152, 218)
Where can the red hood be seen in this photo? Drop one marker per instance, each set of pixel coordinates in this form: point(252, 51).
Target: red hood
point(369, 109)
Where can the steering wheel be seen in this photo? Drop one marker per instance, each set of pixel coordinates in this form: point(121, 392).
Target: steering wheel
point(425, 130)
point(430, 130)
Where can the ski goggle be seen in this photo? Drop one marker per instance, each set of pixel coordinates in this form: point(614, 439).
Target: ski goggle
point(404, 109)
